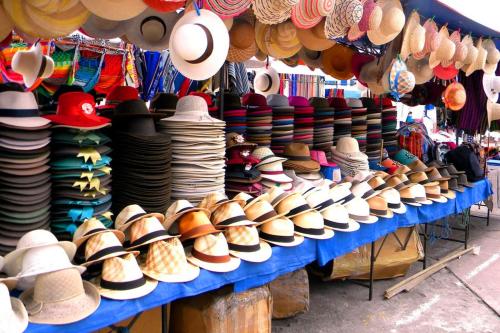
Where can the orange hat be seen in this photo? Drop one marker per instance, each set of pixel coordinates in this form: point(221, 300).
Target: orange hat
point(454, 96)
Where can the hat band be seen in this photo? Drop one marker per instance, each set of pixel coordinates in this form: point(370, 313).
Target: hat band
point(233, 220)
point(19, 113)
point(433, 196)
point(308, 190)
point(359, 217)
point(324, 204)
point(421, 198)
point(298, 210)
point(394, 205)
point(279, 198)
point(265, 217)
point(272, 172)
point(378, 211)
point(209, 258)
point(269, 82)
point(407, 182)
point(148, 237)
point(43, 65)
point(128, 285)
point(380, 187)
point(345, 200)
point(444, 191)
point(368, 193)
point(266, 157)
point(94, 231)
point(408, 200)
point(155, 19)
point(298, 158)
point(337, 225)
point(276, 238)
point(104, 252)
point(208, 50)
point(199, 230)
point(425, 181)
point(134, 217)
point(309, 231)
point(244, 248)
point(398, 186)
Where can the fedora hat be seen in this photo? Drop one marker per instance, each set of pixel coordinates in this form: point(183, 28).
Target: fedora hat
point(216, 199)
point(377, 183)
point(336, 61)
point(115, 10)
point(446, 191)
point(479, 62)
point(408, 196)
point(145, 231)
point(293, 205)
point(348, 148)
point(99, 27)
point(13, 261)
point(299, 158)
point(359, 210)
point(491, 87)
point(315, 38)
point(179, 208)
point(13, 315)
point(195, 224)
point(462, 180)
point(20, 110)
point(131, 214)
point(235, 140)
point(273, 11)
point(242, 45)
point(150, 30)
point(32, 64)
point(363, 190)
point(230, 214)
point(433, 193)
point(471, 52)
point(211, 252)
point(244, 243)
point(434, 175)
point(60, 297)
point(395, 182)
point(266, 81)
point(341, 193)
point(337, 218)
point(420, 68)
point(378, 207)
point(393, 21)
point(310, 224)
point(276, 195)
point(417, 165)
point(266, 156)
point(207, 51)
point(320, 199)
point(492, 57)
point(274, 172)
point(91, 227)
point(420, 177)
point(280, 232)
point(345, 14)
point(100, 247)
point(393, 199)
point(418, 191)
point(122, 279)
point(358, 61)
point(166, 262)
point(261, 211)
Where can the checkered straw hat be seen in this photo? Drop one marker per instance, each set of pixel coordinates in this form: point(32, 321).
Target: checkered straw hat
point(146, 231)
point(102, 246)
point(244, 243)
point(230, 214)
point(92, 227)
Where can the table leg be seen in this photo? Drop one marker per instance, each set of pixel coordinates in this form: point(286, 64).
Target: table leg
point(372, 264)
point(424, 261)
point(164, 318)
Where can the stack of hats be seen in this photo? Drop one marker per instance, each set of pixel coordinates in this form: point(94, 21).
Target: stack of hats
point(349, 158)
point(259, 119)
point(117, 95)
point(164, 103)
point(235, 115)
point(141, 159)
point(271, 169)
point(303, 130)
point(80, 165)
point(213, 109)
point(374, 129)
point(24, 159)
point(198, 150)
point(283, 119)
point(241, 175)
point(323, 123)
point(343, 120)
point(389, 126)
point(359, 125)
point(299, 160)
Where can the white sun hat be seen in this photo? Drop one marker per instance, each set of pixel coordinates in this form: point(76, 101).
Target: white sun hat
point(13, 315)
point(359, 210)
point(32, 64)
point(266, 81)
point(491, 86)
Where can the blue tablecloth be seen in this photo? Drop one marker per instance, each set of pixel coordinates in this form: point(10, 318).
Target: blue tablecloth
point(283, 260)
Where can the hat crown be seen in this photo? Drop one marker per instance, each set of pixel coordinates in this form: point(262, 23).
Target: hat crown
point(76, 104)
point(192, 220)
point(297, 149)
point(121, 269)
point(337, 213)
point(275, 194)
point(177, 207)
point(133, 106)
point(258, 209)
point(347, 145)
point(418, 190)
point(87, 227)
point(253, 99)
point(36, 238)
point(5, 305)
point(434, 189)
point(242, 34)
point(279, 227)
point(242, 235)
point(44, 259)
point(358, 206)
point(228, 211)
point(276, 100)
point(192, 104)
point(127, 214)
point(378, 203)
point(298, 101)
point(339, 192)
point(391, 196)
point(376, 181)
point(17, 100)
point(99, 242)
point(294, 200)
point(243, 196)
point(309, 220)
point(58, 286)
point(212, 244)
point(360, 189)
point(418, 177)
point(262, 152)
point(316, 198)
point(143, 227)
point(212, 200)
point(166, 256)
point(164, 101)
point(354, 102)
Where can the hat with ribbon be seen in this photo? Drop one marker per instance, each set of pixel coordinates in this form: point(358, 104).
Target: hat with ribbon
point(20, 110)
point(446, 191)
point(32, 65)
point(293, 205)
point(230, 214)
point(418, 191)
point(216, 199)
point(195, 224)
point(280, 232)
point(145, 231)
point(211, 252)
point(341, 193)
point(378, 207)
point(359, 210)
point(364, 191)
point(261, 211)
point(12, 312)
point(115, 10)
point(299, 158)
point(93, 226)
point(433, 193)
point(102, 246)
point(177, 209)
point(266, 81)
point(337, 218)
point(319, 199)
point(408, 196)
point(276, 195)
point(315, 38)
point(133, 213)
point(244, 243)
point(393, 199)
point(310, 224)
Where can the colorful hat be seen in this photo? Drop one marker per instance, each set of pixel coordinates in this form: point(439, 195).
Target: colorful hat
point(454, 96)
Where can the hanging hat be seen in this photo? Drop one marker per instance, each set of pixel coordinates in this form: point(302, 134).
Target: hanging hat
point(445, 73)
point(242, 45)
point(454, 96)
point(122, 279)
point(92, 227)
point(492, 111)
point(211, 252)
point(98, 27)
point(280, 232)
point(420, 68)
point(393, 199)
point(308, 13)
point(337, 218)
point(100, 247)
point(337, 62)
point(492, 57)
point(359, 210)
point(32, 64)
point(460, 50)
point(228, 8)
point(371, 19)
point(358, 61)
point(166, 262)
point(13, 315)
point(434, 194)
point(312, 59)
point(393, 21)
point(115, 10)
point(398, 79)
point(378, 207)
point(491, 87)
point(165, 5)
point(266, 82)
point(314, 38)
point(345, 14)
point(145, 231)
point(310, 224)
point(20, 110)
point(283, 42)
point(471, 52)
point(178, 209)
point(445, 51)
point(413, 37)
point(60, 297)
point(207, 50)
point(230, 214)
point(480, 60)
point(131, 214)
point(273, 11)
point(244, 243)
point(195, 224)
point(151, 29)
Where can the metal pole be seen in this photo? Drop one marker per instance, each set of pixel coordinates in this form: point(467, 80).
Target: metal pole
point(222, 79)
point(164, 318)
point(467, 223)
point(372, 267)
point(424, 262)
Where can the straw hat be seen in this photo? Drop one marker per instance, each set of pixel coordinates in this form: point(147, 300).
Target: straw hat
point(145, 231)
point(393, 21)
point(284, 42)
point(13, 315)
point(99, 27)
point(280, 232)
point(261, 211)
point(491, 86)
point(408, 196)
point(446, 191)
point(341, 193)
point(418, 191)
point(273, 11)
point(455, 96)
point(92, 227)
point(445, 51)
point(211, 252)
point(460, 50)
point(266, 81)
point(100, 247)
point(60, 297)
point(179, 208)
point(492, 58)
point(399, 81)
point(131, 214)
point(195, 224)
point(337, 218)
point(115, 10)
point(32, 64)
point(363, 190)
point(420, 68)
point(216, 199)
point(414, 36)
point(492, 111)
point(276, 195)
point(434, 193)
point(348, 148)
point(479, 62)
point(370, 20)
point(310, 224)
point(312, 59)
point(242, 45)
point(209, 43)
point(420, 177)
point(337, 62)
point(6, 24)
point(20, 102)
point(228, 8)
point(230, 214)
point(244, 243)
point(471, 52)
point(393, 199)
point(378, 207)
point(315, 38)
point(359, 210)
point(166, 262)
point(345, 14)
point(308, 13)
point(299, 158)
point(293, 205)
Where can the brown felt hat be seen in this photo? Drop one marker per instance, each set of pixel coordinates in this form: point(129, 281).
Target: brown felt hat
point(299, 158)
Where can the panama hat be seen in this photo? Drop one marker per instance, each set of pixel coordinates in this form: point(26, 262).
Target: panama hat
point(145, 231)
point(413, 37)
point(359, 210)
point(244, 243)
point(20, 110)
point(242, 45)
point(408, 196)
point(116, 10)
point(341, 193)
point(348, 147)
point(479, 62)
point(492, 111)
point(276, 195)
point(310, 224)
point(274, 172)
point(32, 64)
point(345, 14)
point(60, 297)
point(266, 81)
point(216, 199)
point(378, 207)
point(337, 62)
point(434, 194)
point(492, 58)
point(419, 193)
point(166, 261)
point(337, 218)
point(230, 214)
point(102, 246)
point(99, 27)
point(393, 21)
point(491, 86)
point(363, 190)
point(420, 68)
point(91, 227)
point(131, 214)
point(211, 252)
point(315, 38)
point(273, 11)
point(446, 191)
point(13, 315)
point(179, 208)
point(420, 177)
point(205, 54)
point(280, 232)
point(165, 6)
point(261, 211)
point(393, 199)
point(319, 199)
point(293, 205)
point(195, 224)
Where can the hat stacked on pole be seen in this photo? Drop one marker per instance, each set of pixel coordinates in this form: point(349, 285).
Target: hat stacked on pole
point(342, 118)
point(80, 165)
point(323, 123)
point(359, 126)
point(24, 168)
point(283, 122)
point(389, 125)
point(259, 119)
point(303, 130)
point(235, 115)
point(374, 129)
point(141, 159)
point(198, 150)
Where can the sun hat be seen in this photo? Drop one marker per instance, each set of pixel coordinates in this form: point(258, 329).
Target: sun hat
point(209, 43)
point(348, 148)
point(446, 191)
point(393, 199)
point(32, 64)
point(319, 199)
point(165, 5)
point(492, 111)
point(115, 10)
point(370, 20)
point(397, 79)
point(195, 224)
point(337, 218)
point(60, 297)
point(145, 231)
point(266, 81)
point(244, 243)
point(13, 315)
point(273, 11)
point(293, 205)
point(311, 58)
point(345, 14)
point(308, 13)
point(315, 38)
point(228, 8)
point(91, 227)
point(336, 61)
point(358, 61)
point(359, 210)
point(434, 194)
point(341, 193)
point(418, 191)
point(99, 27)
point(393, 21)
point(413, 37)
point(408, 196)
point(6, 25)
point(377, 183)
point(191, 109)
point(454, 96)
point(445, 51)
point(472, 52)
point(479, 62)
point(133, 213)
point(492, 58)
point(491, 86)
point(20, 110)
point(100, 247)
point(230, 214)
point(310, 224)
point(420, 68)
point(211, 252)
point(242, 45)
point(299, 158)
point(280, 232)
point(378, 207)
point(179, 208)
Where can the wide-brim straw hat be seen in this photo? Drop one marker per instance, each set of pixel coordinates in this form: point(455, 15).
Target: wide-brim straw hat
point(266, 81)
point(445, 51)
point(480, 60)
point(414, 35)
point(242, 44)
point(492, 58)
point(337, 62)
point(99, 27)
point(115, 10)
point(491, 86)
point(228, 8)
point(393, 21)
point(311, 58)
point(314, 38)
point(420, 68)
point(471, 52)
point(273, 11)
point(283, 41)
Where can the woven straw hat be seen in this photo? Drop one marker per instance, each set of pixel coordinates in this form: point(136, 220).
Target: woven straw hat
point(433, 193)
point(359, 210)
point(413, 37)
point(179, 208)
point(341, 193)
point(310, 224)
point(284, 42)
point(420, 68)
point(273, 11)
point(371, 19)
point(242, 45)
point(312, 59)
point(230, 214)
point(145, 231)
point(195, 224)
point(13, 315)
point(445, 51)
point(492, 58)
point(244, 243)
point(479, 62)
point(115, 10)
point(211, 252)
point(280, 232)
point(100, 247)
point(315, 38)
point(131, 214)
point(214, 200)
point(293, 205)
point(320, 199)
point(91, 227)
point(418, 190)
point(378, 207)
point(393, 21)
point(364, 191)
point(460, 50)
point(308, 13)
point(337, 62)
point(471, 52)
point(228, 8)
point(393, 201)
point(261, 211)
point(337, 218)
point(345, 14)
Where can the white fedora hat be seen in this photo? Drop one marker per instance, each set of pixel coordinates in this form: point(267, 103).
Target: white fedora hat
point(280, 232)
point(274, 172)
point(276, 195)
point(116, 10)
point(319, 199)
point(266, 81)
point(230, 214)
point(20, 110)
point(363, 190)
point(393, 200)
point(99, 27)
point(13, 315)
point(433, 193)
point(131, 214)
point(492, 111)
point(337, 218)
point(359, 210)
point(419, 193)
point(151, 30)
point(91, 227)
point(208, 44)
point(491, 86)
point(244, 243)
point(32, 64)
point(191, 109)
point(310, 224)
point(341, 193)
point(211, 252)
point(293, 205)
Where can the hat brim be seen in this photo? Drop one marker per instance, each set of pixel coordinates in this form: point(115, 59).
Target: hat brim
point(149, 241)
point(21, 316)
point(450, 194)
point(94, 123)
point(279, 178)
point(369, 220)
point(108, 256)
point(441, 199)
point(24, 122)
point(425, 202)
point(401, 210)
point(352, 226)
point(190, 272)
point(120, 295)
point(297, 240)
point(119, 234)
point(328, 233)
point(225, 267)
point(263, 254)
point(98, 27)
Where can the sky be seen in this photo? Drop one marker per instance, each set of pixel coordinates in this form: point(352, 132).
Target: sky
point(485, 12)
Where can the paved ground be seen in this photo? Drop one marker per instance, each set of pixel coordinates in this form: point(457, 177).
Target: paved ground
point(465, 297)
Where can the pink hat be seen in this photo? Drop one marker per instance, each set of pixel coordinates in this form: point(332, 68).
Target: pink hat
point(320, 157)
point(308, 13)
point(298, 101)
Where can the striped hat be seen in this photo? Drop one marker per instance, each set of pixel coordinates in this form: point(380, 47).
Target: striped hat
point(228, 8)
point(308, 13)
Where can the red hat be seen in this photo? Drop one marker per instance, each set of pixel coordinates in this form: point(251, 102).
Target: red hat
point(357, 62)
point(119, 94)
point(254, 100)
point(386, 102)
point(237, 157)
point(207, 98)
point(165, 5)
point(298, 101)
point(338, 103)
point(77, 110)
point(446, 73)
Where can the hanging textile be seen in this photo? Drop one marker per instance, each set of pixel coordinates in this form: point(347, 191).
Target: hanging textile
point(154, 67)
point(238, 78)
point(112, 73)
point(87, 68)
point(302, 85)
point(63, 57)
